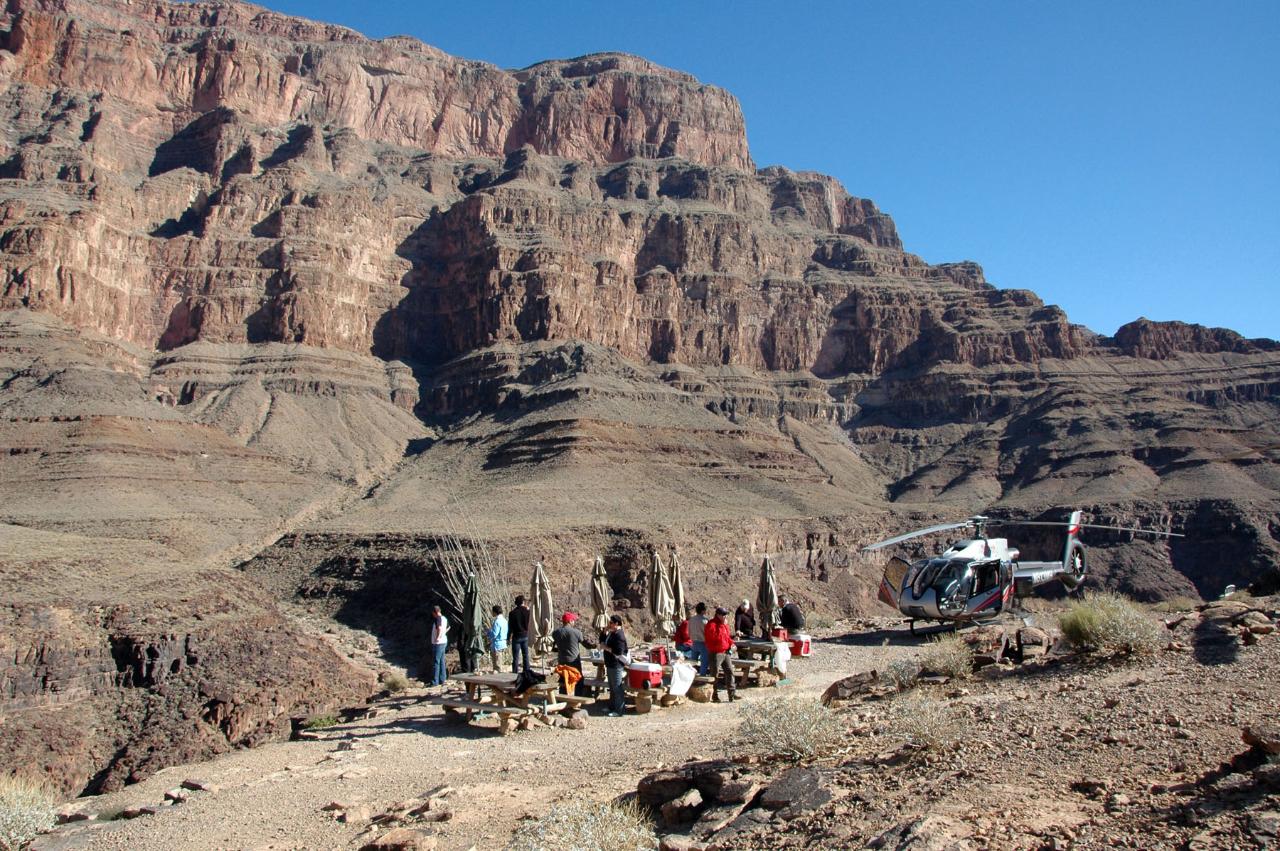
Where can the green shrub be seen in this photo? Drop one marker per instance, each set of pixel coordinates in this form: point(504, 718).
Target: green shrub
point(26, 811)
point(581, 825)
point(949, 657)
point(320, 722)
point(791, 728)
point(1110, 622)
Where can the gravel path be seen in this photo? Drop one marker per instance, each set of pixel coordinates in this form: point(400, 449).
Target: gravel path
point(272, 797)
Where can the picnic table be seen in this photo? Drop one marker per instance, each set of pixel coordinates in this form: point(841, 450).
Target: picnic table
point(756, 648)
point(496, 693)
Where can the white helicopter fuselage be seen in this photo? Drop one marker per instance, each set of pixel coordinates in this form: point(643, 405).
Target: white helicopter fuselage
point(977, 578)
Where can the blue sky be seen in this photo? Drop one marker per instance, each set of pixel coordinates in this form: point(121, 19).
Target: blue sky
point(1119, 159)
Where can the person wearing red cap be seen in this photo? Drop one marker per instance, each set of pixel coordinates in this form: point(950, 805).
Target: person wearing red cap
point(719, 644)
point(568, 642)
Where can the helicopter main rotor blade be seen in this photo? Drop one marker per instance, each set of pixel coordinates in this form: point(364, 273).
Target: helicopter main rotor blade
point(1082, 526)
point(1133, 529)
point(928, 530)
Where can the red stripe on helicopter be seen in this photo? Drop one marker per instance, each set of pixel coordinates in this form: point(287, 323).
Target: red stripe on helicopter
point(991, 600)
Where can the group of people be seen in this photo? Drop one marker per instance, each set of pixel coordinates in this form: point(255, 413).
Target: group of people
point(708, 640)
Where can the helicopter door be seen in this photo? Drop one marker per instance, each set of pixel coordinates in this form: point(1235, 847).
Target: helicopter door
point(891, 584)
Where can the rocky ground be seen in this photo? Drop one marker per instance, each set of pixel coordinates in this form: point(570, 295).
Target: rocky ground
point(1063, 750)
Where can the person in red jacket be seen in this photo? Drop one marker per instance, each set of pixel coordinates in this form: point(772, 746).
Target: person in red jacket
point(719, 641)
point(682, 641)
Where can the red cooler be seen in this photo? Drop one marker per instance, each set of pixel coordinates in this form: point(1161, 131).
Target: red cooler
point(800, 645)
point(780, 633)
point(644, 675)
point(658, 655)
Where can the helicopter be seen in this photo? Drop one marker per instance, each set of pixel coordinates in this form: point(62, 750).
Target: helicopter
point(977, 578)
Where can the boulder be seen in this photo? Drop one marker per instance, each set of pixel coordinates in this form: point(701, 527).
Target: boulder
point(989, 644)
point(401, 839)
point(681, 810)
point(1264, 737)
point(797, 790)
point(1033, 642)
point(656, 789)
point(853, 686)
point(700, 693)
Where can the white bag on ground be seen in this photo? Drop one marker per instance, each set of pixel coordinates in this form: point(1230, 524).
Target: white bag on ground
point(681, 678)
point(781, 656)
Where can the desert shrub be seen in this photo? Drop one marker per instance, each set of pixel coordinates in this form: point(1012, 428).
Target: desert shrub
point(581, 825)
point(1176, 604)
point(320, 722)
point(1107, 621)
point(927, 724)
point(26, 811)
point(819, 622)
point(791, 728)
point(394, 682)
point(950, 657)
point(902, 673)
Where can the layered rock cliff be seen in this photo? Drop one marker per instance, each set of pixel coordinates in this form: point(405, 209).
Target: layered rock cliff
point(277, 292)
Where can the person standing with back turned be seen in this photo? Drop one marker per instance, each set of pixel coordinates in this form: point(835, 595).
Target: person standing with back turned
point(439, 641)
point(497, 637)
point(615, 663)
point(518, 626)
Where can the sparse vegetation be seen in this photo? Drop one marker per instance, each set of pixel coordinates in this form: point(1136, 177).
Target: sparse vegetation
point(26, 811)
point(819, 622)
point(463, 552)
point(927, 724)
point(394, 682)
point(320, 722)
point(791, 728)
point(948, 657)
point(902, 673)
point(1110, 622)
point(580, 825)
point(1176, 604)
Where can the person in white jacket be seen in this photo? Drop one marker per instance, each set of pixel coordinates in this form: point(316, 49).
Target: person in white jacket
point(439, 642)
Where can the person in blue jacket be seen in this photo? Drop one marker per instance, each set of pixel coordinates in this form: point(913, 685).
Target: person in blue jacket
point(497, 636)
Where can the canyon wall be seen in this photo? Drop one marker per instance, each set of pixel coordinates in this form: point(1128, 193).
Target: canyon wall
point(283, 304)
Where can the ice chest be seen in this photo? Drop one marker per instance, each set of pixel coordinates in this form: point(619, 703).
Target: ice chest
point(658, 655)
point(779, 633)
point(644, 675)
point(800, 645)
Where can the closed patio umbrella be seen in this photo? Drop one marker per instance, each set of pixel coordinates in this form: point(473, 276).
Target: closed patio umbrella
point(471, 648)
point(600, 594)
point(767, 599)
point(677, 587)
point(541, 616)
point(661, 601)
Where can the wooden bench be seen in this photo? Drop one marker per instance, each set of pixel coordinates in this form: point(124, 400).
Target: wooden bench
point(643, 698)
point(573, 701)
point(748, 668)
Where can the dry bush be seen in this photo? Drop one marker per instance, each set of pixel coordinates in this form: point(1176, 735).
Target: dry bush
point(820, 622)
point(1176, 604)
point(950, 657)
point(927, 724)
point(26, 811)
point(581, 825)
point(902, 673)
point(463, 552)
point(1111, 622)
point(791, 728)
point(394, 682)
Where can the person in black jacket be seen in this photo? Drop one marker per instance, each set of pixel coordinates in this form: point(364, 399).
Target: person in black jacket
point(744, 621)
point(792, 618)
point(615, 663)
point(518, 625)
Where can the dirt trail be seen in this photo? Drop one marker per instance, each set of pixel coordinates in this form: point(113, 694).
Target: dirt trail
point(272, 797)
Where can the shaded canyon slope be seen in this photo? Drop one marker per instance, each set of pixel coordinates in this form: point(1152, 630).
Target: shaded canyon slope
point(282, 303)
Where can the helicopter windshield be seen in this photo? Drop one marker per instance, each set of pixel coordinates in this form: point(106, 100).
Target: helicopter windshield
point(949, 578)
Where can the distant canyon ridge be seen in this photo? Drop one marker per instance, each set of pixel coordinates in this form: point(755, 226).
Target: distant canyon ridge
point(282, 304)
